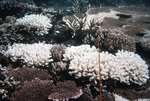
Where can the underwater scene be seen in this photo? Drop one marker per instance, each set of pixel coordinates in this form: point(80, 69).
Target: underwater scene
point(74, 50)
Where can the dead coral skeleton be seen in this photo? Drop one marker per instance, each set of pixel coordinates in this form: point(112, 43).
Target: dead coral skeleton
point(92, 23)
point(76, 24)
point(81, 24)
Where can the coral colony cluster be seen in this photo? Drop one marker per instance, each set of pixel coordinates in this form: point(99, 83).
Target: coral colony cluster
point(46, 55)
point(39, 22)
point(37, 54)
point(123, 66)
point(126, 67)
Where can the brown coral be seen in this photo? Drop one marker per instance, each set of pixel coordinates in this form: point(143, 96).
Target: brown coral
point(57, 51)
point(135, 31)
point(23, 74)
point(119, 41)
point(112, 40)
point(65, 91)
point(35, 90)
point(41, 90)
point(10, 19)
point(145, 42)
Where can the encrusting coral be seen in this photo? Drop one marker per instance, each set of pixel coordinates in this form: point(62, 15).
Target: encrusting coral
point(65, 91)
point(45, 89)
point(25, 73)
point(42, 88)
point(14, 79)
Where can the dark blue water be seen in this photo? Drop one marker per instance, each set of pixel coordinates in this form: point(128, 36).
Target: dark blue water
point(143, 3)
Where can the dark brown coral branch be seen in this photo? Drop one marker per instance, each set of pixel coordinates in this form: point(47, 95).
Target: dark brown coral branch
point(57, 51)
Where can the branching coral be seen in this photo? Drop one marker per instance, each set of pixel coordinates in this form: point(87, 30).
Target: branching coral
point(76, 24)
point(112, 40)
point(40, 23)
point(129, 67)
point(90, 20)
point(126, 67)
point(58, 66)
point(115, 40)
point(145, 41)
point(58, 70)
point(81, 50)
point(57, 52)
point(37, 54)
point(84, 62)
point(7, 84)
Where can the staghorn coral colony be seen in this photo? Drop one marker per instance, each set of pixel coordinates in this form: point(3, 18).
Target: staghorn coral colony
point(49, 53)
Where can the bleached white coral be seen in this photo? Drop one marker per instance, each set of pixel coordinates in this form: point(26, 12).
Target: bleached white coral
point(129, 67)
point(84, 62)
point(87, 66)
point(94, 19)
point(99, 17)
point(39, 22)
point(125, 66)
point(81, 50)
point(37, 54)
